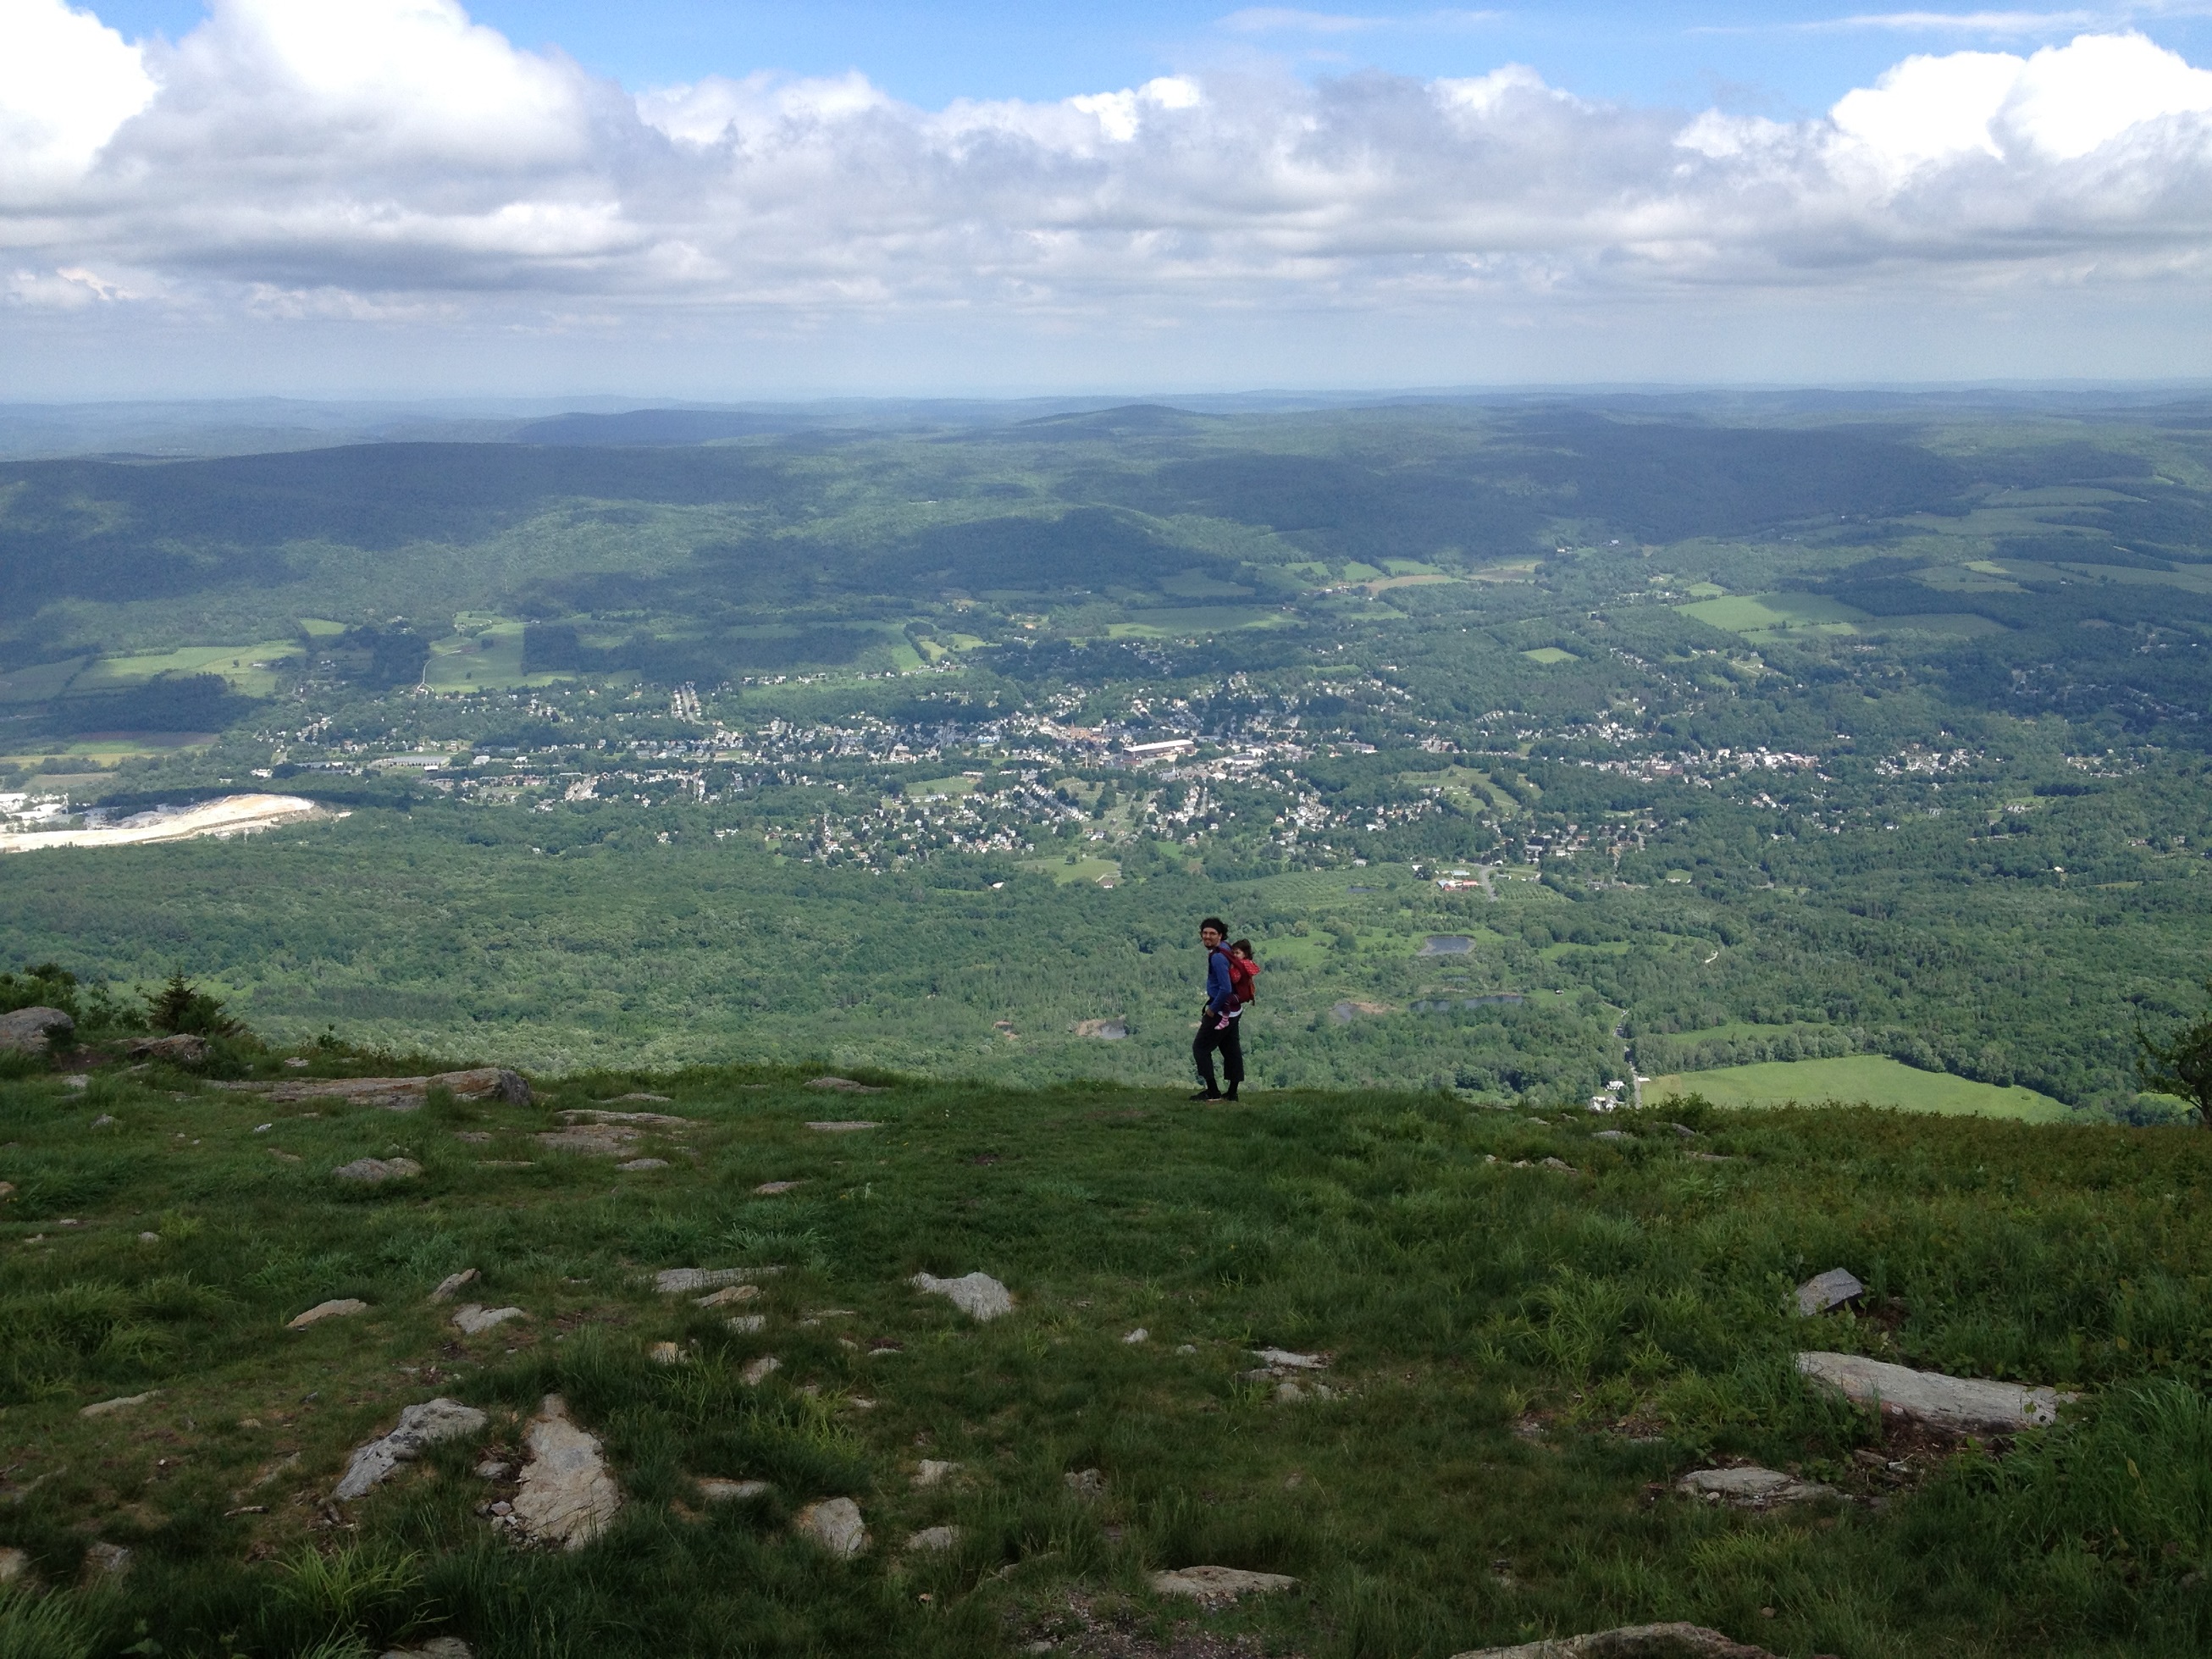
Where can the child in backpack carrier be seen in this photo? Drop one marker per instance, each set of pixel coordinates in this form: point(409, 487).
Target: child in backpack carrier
point(1243, 971)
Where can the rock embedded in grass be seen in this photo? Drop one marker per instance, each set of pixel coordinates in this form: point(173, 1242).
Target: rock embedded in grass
point(15, 1566)
point(437, 1647)
point(715, 1489)
point(638, 1164)
point(182, 1049)
point(677, 1281)
point(373, 1169)
point(344, 1307)
point(1217, 1586)
point(760, 1370)
point(35, 1030)
point(934, 1539)
point(473, 1319)
point(420, 1425)
point(1673, 1641)
point(1088, 1485)
point(835, 1524)
point(452, 1282)
point(1751, 1488)
point(397, 1094)
point(844, 1086)
point(932, 1472)
point(568, 1495)
point(1831, 1288)
point(770, 1189)
point(109, 1407)
point(728, 1294)
point(978, 1294)
point(105, 1560)
point(844, 1126)
point(1958, 1405)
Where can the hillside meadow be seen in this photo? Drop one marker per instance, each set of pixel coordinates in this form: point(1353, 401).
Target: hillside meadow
point(1519, 1360)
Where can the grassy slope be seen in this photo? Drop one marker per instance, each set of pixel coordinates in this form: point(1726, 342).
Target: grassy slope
point(1872, 1080)
point(1634, 1309)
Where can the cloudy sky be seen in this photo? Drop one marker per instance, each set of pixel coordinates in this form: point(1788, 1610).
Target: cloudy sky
point(673, 198)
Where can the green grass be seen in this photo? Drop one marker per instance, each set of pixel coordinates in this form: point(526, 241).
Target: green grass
point(1549, 654)
point(1630, 1313)
point(1874, 1079)
point(489, 657)
point(250, 668)
point(1064, 869)
point(1776, 612)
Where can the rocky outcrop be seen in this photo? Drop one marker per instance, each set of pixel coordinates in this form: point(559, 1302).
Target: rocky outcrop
point(1217, 1586)
point(395, 1094)
point(419, 1426)
point(183, 1049)
point(342, 1308)
point(568, 1495)
point(36, 1031)
point(1750, 1489)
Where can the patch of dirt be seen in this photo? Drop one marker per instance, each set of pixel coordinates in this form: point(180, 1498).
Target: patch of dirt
point(1108, 1627)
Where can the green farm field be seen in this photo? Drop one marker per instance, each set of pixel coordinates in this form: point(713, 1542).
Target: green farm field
point(1869, 1080)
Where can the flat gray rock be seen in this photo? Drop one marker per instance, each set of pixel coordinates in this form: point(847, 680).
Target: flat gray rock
point(568, 1495)
point(437, 1647)
point(1282, 1359)
point(378, 1169)
point(472, 1319)
point(452, 1282)
point(931, 1471)
point(715, 1489)
point(181, 1049)
point(109, 1407)
point(397, 1094)
point(15, 1566)
point(759, 1370)
point(1676, 1641)
point(1831, 1288)
point(36, 1031)
point(1750, 1489)
point(834, 1523)
point(934, 1539)
point(843, 1085)
point(678, 1281)
point(844, 1126)
point(636, 1164)
point(422, 1425)
point(344, 1307)
point(977, 1295)
point(1962, 1404)
point(1088, 1485)
point(1216, 1585)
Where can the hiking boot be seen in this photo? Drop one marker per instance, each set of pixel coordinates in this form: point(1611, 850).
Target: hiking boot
point(1231, 1095)
point(1207, 1094)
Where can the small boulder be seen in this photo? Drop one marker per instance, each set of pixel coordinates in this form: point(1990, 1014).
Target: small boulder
point(728, 1294)
point(373, 1169)
point(760, 1370)
point(36, 1031)
point(844, 1126)
point(1133, 1337)
point(677, 1281)
point(1612, 1134)
point(843, 1085)
point(747, 1324)
point(1831, 1288)
point(1216, 1586)
point(931, 1472)
point(770, 1189)
point(934, 1539)
point(182, 1049)
point(665, 1353)
point(636, 1164)
point(1750, 1489)
point(1282, 1359)
point(1088, 1485)
point(1958, 1405)
point(342, 1307)
point(109, 1407)
point(419, 1426)
point(834, 1523)
point(568, 1495)
point(978, 1294)
point(452, 1282)
point(472, 1319)
point(15, 1566)
point(105, 1560)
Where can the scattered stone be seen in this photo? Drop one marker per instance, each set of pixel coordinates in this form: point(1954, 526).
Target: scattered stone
point(728, 1294)
point(1612, 1134)
point(104, 1560)
point(1750, 1489)
point(843, 1085)
point(492, 1468)
point(1105, 1030)
point(1960, 1405)
point(844, 1126)
point(1703, 1158)
point(1282, 1359)
point(397, 1094)
point(1217, 1586)
point(181, 1049)
point(639, 1164)
point(639, 1095)
point(419, 1426)
point(1088, 1485)
point(978, 1294)
point(747, 1324)
point(651, 1120)
point(760, 1370)
point(675, 1281)
point(35, 1030)
point(104, 1119)
point(932, 1472)
point(1831, 1288)
point(715, 1489)
point(591, 1139)
point(1140, 1334)
point(934, 1539)
point(283, 1156)
point(770, 1189)
point(473, 1137)
point(1561, 1164)
point(452, 1282)
point(107, 1407)
point(1677, 1641)
point(568, 1495)
point(664, 1353)
point(15, 1566)
point(1289, 1394)
point(149, 1238)
point(342, 1307)
point(7, 1191)
point(378, 1169)
point(1684, 1130)
point(835, 1524)
point(472, 1319)
point(437, 1647)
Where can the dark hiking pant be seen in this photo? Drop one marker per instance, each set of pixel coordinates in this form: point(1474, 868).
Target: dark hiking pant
point(1232, 1044)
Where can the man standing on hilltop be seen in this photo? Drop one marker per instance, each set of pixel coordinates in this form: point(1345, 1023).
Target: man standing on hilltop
point(1217, 1028)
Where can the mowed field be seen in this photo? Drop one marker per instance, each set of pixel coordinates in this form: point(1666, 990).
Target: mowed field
point(1857, 1079)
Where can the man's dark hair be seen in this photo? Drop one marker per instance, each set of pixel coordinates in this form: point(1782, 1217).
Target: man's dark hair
point(1215, 923)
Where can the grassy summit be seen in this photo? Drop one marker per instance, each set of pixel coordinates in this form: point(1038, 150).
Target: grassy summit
point(1520, 1359)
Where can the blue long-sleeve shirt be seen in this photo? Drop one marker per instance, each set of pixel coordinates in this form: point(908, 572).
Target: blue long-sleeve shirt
point(1220, 995)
